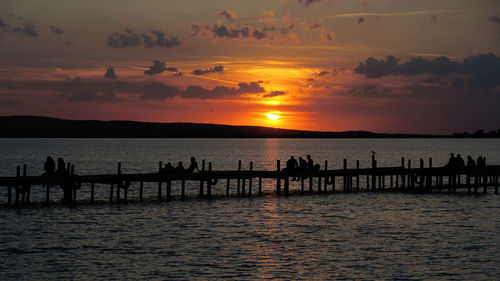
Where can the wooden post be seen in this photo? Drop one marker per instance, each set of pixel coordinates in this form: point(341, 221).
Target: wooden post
point(119, 185)
point(392, 183)
point(345, 176)
point(367, 182)
point(92, 192)
point(286, 186)
point(319, 184)
point(243, 187)
point(238, 183)
point(209, 181)
point(357, 175)
point(410, 176)
point(183, 189)
point(160, 165)
point(141, 189)
point(374, 177)
point(17, 186)
point(23, 191)
point(403, 183)
point(201, 180)
point(421, 175)
point(333, 184)
point(326, 178)
point(250, 180)
point(227, 187)
point(476, 184)
point(260, 186)
point(278, 182)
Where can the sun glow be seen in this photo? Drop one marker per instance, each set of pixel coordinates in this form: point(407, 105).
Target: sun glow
point(272, 116)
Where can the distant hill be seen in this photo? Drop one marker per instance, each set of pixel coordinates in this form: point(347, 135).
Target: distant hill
point(47, 127)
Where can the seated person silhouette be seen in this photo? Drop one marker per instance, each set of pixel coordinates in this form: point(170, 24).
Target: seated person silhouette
point(451, 162)
point(310, 164)
point(179, 169)
point(193, 166)
point(168, 168)
point(61, 168)
point(49, 167)
point(471, 164)
point(459, 162)
point(302, 164)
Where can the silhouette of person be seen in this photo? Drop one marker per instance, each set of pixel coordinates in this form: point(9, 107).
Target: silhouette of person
point(302, 164)
point(480, 162)
point(292, 165)
point(451, 161)
point(310, 162)
point(459, 162)
point(168, 168)
point(61, 168)
point(193, 166)
point(49, 167)
point(471, 164)
point(180, 169)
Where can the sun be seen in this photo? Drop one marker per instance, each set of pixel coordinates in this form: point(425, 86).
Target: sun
point(272, 116)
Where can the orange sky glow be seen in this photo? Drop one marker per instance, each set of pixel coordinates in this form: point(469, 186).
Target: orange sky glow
point(331, 65)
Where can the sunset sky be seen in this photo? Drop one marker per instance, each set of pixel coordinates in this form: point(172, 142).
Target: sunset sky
point(427, 66)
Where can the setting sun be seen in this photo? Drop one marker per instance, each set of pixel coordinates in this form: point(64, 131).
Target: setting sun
point(272, 116)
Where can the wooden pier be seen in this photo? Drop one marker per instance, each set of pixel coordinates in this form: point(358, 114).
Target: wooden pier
point(402, 178)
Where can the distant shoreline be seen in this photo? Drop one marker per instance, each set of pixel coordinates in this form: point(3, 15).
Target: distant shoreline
point(48, 127)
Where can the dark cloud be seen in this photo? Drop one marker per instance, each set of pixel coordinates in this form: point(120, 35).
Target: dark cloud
point(369, 91)
point(216, 69)
point(373, 68)
point(125, 39)
point(315, 25)
point(159, 67)
point(28, 29)
point(157, 91)
point(230, 15)
point(86, 95)
point(251, 88)
point(494, 19)
point(197, 92)
point(110, 73)
point(481, 71)
point(360, 20)
point(160, 40)
point(274, 94)
point(222, 31)
point(323, 73)
point(309, 2)
point(129, 38)
point(56, 30)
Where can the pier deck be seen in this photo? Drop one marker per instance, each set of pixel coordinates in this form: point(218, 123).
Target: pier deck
point(397, 179)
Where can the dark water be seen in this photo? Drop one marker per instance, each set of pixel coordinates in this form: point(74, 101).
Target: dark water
point(337, 236)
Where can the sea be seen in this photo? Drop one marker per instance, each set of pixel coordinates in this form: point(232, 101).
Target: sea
point(334, 236)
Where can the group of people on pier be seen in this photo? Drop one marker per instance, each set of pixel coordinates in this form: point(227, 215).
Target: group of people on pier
point(49, 167)
point(458, 163)
point(301, 165)
point(179, 169)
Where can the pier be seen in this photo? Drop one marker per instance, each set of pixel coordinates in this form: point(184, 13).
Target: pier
point(403, 178)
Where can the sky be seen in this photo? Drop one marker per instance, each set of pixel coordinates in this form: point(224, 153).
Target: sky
point(395, 66)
